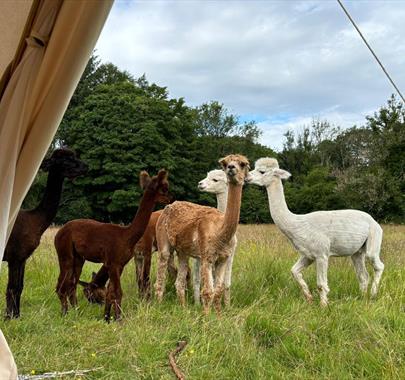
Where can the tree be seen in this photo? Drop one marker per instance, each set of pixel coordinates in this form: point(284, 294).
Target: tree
point(94, 74)
point(123, 129)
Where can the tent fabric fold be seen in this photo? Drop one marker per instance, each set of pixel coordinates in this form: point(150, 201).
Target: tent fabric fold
point(34, 100)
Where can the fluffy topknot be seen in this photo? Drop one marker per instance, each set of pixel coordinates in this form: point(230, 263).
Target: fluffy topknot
point(267, 162)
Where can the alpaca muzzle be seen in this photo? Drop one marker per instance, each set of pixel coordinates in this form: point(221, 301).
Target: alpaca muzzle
point(231, 170)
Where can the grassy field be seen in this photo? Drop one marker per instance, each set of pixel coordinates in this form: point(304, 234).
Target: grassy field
point(269, 332)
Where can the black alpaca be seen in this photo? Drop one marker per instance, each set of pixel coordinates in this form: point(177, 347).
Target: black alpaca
point(31, 224)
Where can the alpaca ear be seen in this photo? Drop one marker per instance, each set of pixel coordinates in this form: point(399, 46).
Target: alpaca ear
point(245, 165)
point(144, 179)
point(223, 161)
point(283, 174)
point(162, 175)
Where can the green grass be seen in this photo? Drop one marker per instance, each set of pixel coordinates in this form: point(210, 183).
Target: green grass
point(269, 332)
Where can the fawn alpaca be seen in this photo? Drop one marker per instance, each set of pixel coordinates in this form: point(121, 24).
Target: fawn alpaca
point(110, 244)
point(202, 232)
point(31, 224)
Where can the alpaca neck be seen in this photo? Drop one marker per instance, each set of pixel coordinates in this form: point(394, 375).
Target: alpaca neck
point(232, 212)
point(279, 211)
point(222, 199)
point(141, 219)
point(48, 206)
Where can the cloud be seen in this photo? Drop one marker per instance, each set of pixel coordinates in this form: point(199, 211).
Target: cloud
point(295, 58)
point(274, 128)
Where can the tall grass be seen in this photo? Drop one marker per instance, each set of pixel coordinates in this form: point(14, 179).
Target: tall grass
point(269, 332)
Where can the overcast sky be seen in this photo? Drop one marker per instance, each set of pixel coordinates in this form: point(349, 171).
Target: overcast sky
point(280, 63)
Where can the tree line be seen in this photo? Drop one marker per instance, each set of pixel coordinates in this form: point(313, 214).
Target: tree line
point(120, 125)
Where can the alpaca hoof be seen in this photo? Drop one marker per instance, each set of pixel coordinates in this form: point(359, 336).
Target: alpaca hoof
point(11, 315)
point(373, 293)
point(309, 298)
point(324, 303)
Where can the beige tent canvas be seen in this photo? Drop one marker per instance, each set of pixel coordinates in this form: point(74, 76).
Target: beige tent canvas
point(45, 46)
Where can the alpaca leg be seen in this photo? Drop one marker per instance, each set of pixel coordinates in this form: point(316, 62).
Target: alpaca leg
point(228, 279)
point(208, 284)
point(161, 273)
point(14, 288)
point(147, 261)
point(378, 271)
point(189, 277)
point(322, 279)
point(196, 281)
point(373, 247)
point(138, 259)
point(78, 266)
point(361, 271)
point(181, 280)
point(220, 270)
point(302, 263)
point(172, 269)
point(63, 287)
point(114, 294)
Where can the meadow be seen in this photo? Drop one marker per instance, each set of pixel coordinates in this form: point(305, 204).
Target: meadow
point(269, 332)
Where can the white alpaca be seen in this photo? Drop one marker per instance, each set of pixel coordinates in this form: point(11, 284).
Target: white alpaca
point(216, 183)
point(321, 234)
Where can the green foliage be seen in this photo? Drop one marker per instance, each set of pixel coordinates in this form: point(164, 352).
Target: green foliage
point(121, 131)
point(361, 168)
point(120, 125)
point(318, 192)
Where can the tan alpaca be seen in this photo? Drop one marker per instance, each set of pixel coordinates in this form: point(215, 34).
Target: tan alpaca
point(202, 232)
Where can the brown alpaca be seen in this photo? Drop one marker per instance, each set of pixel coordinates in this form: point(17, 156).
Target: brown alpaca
point(31, 224)
point(110, 244)
point(204, 233)
point(94, 293)
point(95, 290)
point(143, 255)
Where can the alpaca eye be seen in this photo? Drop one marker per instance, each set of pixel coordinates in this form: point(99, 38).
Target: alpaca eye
point(215, 180)
point(261, 172)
